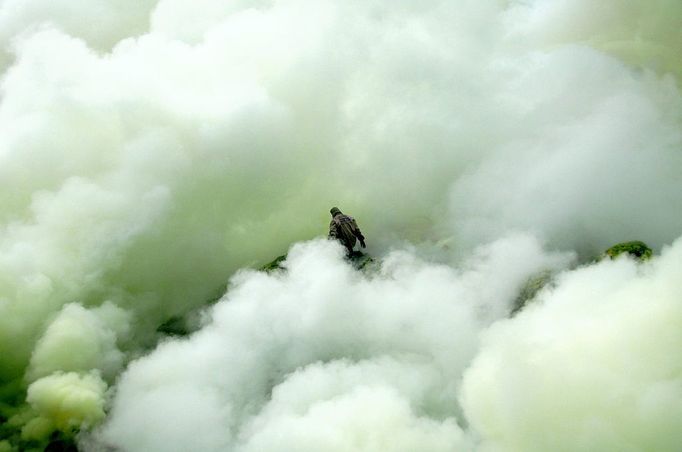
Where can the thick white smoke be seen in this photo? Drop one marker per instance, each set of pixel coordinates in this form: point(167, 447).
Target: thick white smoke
point(324, 357)
point(593, 365)
point(150, 149)
point(101, 23)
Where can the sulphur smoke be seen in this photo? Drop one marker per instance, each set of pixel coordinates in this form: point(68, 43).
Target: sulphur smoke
point(145, 160)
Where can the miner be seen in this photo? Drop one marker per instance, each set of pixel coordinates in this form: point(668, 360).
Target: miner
point(344, 229)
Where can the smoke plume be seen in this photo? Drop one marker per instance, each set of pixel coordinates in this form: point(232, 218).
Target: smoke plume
point(151, 152)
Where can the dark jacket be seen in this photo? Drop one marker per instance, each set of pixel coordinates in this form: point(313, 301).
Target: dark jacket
point(345, 229)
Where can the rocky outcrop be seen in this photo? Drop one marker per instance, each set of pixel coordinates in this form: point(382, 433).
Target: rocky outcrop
point(636, 249)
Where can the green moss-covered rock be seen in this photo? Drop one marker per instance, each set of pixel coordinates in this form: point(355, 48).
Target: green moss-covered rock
point(14, 413)
point(22, 433)
point(276, 264)
point(362, 261)
point(174, 326)
point(60, 442)
point(531, 288)
point(358, 259)
point(638, 250)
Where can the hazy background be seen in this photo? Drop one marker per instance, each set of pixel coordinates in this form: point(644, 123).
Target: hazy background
point(149, 150)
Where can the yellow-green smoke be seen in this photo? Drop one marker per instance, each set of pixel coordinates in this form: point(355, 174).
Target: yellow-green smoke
point(149, 150)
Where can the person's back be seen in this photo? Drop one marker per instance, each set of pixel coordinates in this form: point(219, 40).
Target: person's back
point(345, 229)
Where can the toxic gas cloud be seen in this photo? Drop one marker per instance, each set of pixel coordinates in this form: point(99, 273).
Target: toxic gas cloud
point(153, 152)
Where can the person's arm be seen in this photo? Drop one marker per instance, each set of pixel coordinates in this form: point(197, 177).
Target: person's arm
point(358, 234)
point(332, 230)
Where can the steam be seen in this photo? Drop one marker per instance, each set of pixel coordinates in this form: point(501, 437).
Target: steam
point(81, 340)
point(79, 19)
point(146, 158)
point(67, 400)
point(322, 356)
point(592, 362)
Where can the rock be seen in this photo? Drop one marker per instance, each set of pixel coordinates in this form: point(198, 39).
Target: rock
point(361, 261)
point(531, 288)
point(638, 250)
point(174, 326)
point(275, 264)
point(358, 259)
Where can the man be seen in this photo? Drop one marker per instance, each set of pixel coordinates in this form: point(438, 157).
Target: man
point(345, 230)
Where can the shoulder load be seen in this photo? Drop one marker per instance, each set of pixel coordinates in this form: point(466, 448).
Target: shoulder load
point(344, 228)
